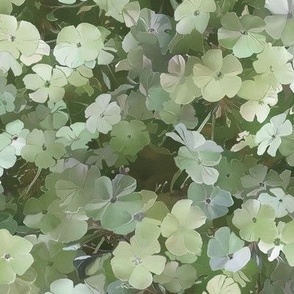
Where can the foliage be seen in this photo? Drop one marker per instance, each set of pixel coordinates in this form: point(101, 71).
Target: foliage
point(146, 146)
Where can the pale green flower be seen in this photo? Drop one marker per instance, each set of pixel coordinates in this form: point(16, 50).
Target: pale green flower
point(48, 82)
point(269, 136)
point(193, 14)
point(18, 38)
point(134, 263)
point(78, 46)
point(217, 76)
point(15, 257)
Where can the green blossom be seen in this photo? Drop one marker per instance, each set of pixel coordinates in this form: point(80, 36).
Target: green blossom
point(78, 46)
point(15, 257)
point(67, 286)
point(42, 148)
point(269, 136)
point(116, 197)
point(213, 201)
point(178, 82)
point(253, 218)
point(7, 153)
point(242, 35)
point(48, 82)
point(7, 96)
point(7, 62)
point(284, 242)
point(102, 114)
point(18, 38)
point(6, 6)
point(227, 251)
point(193, 14)
point(198, 156)
point(280, 24)
point(135, 263)
point(221, 284)
point(273, 65)
point(75, 136)
point(175, 278)
point(179, 228)
point(260, 179)
point(282, 203)
point(217, 76)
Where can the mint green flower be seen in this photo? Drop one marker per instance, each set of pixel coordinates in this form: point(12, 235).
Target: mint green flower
point(218, 77)
point(47, 82)
point(135, 263)
point(18, 38)
point(193, 14)
point(15, 257)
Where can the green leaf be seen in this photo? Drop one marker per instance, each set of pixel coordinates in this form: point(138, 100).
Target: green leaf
point(129, 138)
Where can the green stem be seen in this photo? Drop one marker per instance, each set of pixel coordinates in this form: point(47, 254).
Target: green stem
point(212, 125)
point(204, 122)
point(33, 182)
point(99, 245)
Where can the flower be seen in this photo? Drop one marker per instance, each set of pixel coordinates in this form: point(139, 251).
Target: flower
point(78, 46)
point(218, 77)
point(270, 134)
point(193, 14)
point(135, 263)
point(48, 82)
point(15, 258)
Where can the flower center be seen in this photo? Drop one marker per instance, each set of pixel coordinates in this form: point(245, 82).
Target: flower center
point(139, 216)
point(208, 200)
point(244, 32)
point(151, 30)
point(113, 199)
point(197, 12)
point(218, 75)
point(277, 242)
point(79, 45)
point(47, 84)
point(137, 260)
point(7, 256)
point(254, 219)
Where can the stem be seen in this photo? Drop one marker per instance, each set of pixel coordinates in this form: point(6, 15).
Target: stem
point(99, 245)
point(33, 182)
point(212, 125)
point(204, 122)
